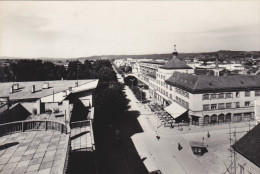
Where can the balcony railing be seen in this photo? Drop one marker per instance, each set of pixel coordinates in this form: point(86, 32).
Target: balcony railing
point(22, 126)
point(79, 124)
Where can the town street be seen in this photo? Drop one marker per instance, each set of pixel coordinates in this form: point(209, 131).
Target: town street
point(163, 154)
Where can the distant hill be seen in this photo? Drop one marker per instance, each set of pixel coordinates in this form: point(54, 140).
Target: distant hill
point(223, 54)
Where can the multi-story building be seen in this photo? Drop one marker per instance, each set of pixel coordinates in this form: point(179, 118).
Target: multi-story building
point(208, 99)
point(159, 74)
point(215, 99)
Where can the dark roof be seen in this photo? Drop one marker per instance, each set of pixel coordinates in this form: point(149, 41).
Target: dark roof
point(203, 83)
point(175, 63)
point(153, 74)
point(153, 62)
point(249, 145)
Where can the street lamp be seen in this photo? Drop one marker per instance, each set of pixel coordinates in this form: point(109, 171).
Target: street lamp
point(132, 80)
point(141, 94)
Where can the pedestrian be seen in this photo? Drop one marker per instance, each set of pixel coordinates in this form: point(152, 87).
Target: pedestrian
point(157, 136)
point(208, 135)
point(179, 146)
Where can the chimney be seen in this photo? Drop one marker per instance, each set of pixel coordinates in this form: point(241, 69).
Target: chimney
point(64, 93)
point(45, 85)
point(175, 53)
point(33, 89)
point(216, 72)
point(217, 61)
point(16, 86)
point(12, 89)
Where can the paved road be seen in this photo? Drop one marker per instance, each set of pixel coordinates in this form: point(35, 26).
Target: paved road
point(163, 154)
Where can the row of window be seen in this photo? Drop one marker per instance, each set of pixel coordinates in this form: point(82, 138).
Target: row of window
point(207, 107)
point(228, 95)
point(182, 92)
point(160, 76)
point(182, 102)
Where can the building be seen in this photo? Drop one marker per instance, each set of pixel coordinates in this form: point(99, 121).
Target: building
point(215, 99)
point(156, 75)
point(257, 111)
point(209, 99)
point(58, 120)
point(41, 96)
point(247, 151)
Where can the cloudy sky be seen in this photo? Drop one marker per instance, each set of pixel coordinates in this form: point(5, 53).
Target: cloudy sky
point(76, 29)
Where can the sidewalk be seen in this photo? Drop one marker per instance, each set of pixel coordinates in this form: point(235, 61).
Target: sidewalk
point(163, 154)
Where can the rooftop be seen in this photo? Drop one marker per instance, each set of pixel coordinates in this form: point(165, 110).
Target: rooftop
point(175, 63)
point(33, 151)
point(153, 62)
point(249, 145)
point(24, 91)
point(203, 83)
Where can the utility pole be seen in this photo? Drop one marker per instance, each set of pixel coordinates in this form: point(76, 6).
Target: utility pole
point(235, 152)
point(230, 146)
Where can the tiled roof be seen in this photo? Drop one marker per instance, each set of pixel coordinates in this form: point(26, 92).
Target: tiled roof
point(175, 63)
point(203, 83)
point(249, 145)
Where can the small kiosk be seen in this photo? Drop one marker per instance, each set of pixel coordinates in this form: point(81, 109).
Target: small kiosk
point(198, 148)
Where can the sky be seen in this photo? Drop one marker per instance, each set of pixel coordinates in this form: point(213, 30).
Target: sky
point(66, 29)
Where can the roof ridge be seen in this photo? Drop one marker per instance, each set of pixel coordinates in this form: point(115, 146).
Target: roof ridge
point(196, 82)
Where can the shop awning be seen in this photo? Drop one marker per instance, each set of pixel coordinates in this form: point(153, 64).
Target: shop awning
point(175, 110)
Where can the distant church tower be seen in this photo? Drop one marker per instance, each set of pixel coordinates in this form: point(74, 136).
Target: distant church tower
point(174, 53)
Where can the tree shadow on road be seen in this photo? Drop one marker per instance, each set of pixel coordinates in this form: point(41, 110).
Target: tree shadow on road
point(81, 162)
point(117, 154)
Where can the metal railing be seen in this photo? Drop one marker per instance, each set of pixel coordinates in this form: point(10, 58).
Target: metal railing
point(22, 126)
point(80, 124)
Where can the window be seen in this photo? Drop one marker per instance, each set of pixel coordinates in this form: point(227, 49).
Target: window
point(247, 103)
point(170, 95)
point(221, 106)
point(237, 94)
point(237, 105)
point(187, 94)
point(170, 87)
point(222, 95)
point(247, 93)
point(205, 107)
point(229, 95)
point(214, 106)
point(187, 104)
point(228, 105)
point(205, 97)
point(213, 96)
point(167, 94)
point(241, 169)
point(257, 93)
